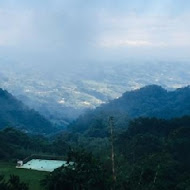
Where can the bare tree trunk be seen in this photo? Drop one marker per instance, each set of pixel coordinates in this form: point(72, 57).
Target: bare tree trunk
point(140, 178)
point(111, 124)
point(156, 176)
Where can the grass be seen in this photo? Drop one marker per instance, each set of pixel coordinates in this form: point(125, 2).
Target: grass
point(30, 177)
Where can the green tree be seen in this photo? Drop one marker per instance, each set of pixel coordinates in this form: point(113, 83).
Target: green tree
point(13, 183)
point(85, 173)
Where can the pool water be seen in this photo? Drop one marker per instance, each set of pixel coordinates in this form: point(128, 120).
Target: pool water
point(43, 165)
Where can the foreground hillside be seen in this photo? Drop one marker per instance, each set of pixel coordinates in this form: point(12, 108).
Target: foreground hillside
point(30, 177)
point(14, 113)
point(155, 154)
point(152, 154)
point(15, 144)
point(150, 101)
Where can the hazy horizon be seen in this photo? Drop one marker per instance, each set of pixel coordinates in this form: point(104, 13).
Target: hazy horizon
point(57, 54)
point(70, 33)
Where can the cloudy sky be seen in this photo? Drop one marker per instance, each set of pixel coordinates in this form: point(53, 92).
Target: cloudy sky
point(69, 31)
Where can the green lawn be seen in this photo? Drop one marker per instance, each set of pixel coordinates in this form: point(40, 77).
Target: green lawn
point(28, 176)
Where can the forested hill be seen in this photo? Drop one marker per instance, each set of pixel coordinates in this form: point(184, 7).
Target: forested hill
point(150, 101)
point(14, 113)
point(153, 101)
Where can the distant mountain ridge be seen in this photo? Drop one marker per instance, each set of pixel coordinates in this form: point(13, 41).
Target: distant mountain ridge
point(62, 96)
point(14, 113)
point(153, 101)
point(149, 101)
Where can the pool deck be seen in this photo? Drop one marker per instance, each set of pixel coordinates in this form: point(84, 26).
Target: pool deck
point(43, 165)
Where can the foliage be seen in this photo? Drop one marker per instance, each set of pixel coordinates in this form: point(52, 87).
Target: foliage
point(155, 154)
point(151, 154)
point(12, 184)
point(15, 144)
point(85, 173)
point(30, 177)
point(150, 101)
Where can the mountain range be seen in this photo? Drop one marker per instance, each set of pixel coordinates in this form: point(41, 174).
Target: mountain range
point(149, 101)
point(62, 96)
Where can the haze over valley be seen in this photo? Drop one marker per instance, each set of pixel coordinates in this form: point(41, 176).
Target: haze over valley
point(62, 96)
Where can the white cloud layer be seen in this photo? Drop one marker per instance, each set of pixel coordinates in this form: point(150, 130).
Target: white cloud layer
point(72, 30)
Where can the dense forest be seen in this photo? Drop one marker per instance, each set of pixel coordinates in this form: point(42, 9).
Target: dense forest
point(144, 152)
point(150, 101)
point(15, 144)
point(151, 154)
point(13, 183)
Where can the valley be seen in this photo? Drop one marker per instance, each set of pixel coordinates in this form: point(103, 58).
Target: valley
point(62, 96)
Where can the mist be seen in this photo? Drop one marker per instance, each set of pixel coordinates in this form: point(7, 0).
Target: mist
point(64, 35)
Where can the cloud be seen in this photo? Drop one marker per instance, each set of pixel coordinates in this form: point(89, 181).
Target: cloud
point(14, 27)
point(153, 31)
point(64, 31)
point(131, 43)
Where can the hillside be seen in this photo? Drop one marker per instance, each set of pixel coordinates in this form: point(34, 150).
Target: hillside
point(150, 101)
point(62, 96)
point(14, 113)
point(15, 144)
point(151, 154)
point(153, 147)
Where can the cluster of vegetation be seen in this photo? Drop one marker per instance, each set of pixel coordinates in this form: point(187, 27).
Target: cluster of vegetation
point(13, 183)
point(14, 113)
point(151, 154)
point(150, 101)
point(84, 172)
point(15, 144)
point(154, 154)
point(144, 153)
point(30, 177)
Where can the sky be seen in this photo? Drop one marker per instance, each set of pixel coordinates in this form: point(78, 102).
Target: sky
point(65, 33)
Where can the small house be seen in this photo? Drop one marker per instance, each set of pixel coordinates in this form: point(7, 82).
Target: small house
point(19, 163)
